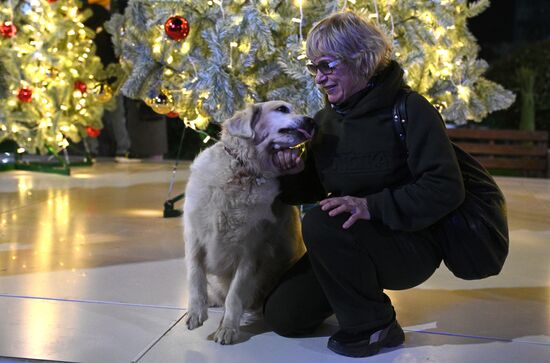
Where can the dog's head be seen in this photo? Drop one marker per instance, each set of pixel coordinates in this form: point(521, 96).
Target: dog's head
point(268, 127)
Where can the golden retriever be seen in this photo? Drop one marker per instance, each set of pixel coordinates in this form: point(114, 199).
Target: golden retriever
point(239, 238)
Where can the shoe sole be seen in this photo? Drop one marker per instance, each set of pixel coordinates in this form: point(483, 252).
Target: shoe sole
point(361, 350)
point(127, 161)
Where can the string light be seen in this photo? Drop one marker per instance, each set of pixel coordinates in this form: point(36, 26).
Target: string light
point(463, 92)
point(49, 73)
point(301, 20)
point(232, 45)
point(220, 4)
point(376, 10)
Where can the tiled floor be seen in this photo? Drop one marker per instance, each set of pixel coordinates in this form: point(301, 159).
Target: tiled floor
point(91, 272)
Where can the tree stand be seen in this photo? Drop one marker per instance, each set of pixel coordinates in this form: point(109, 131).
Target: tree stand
point(169, 210)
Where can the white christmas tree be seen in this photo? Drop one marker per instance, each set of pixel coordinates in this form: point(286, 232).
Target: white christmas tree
point(202, 60)
point(53, 86)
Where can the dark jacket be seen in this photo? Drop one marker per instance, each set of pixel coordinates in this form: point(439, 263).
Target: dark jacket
point(357, 152)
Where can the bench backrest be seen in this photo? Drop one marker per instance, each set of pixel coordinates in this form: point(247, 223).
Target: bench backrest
point(505, 149)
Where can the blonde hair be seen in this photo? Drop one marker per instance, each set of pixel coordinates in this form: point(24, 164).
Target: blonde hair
point(348, 37)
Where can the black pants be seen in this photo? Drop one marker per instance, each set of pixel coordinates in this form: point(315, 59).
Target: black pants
point(345, 272)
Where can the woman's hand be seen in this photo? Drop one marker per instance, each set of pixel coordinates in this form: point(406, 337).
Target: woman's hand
point(289, 161)
point(357, 207)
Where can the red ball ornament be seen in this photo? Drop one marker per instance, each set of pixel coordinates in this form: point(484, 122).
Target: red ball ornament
point(92, 132)
point(172, 114)
point(177, 27)
point(8, 29)
point(25, 94)
point(81, 86)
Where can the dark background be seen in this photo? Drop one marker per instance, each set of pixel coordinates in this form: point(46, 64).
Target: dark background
point(513, 34)
point(509, 24)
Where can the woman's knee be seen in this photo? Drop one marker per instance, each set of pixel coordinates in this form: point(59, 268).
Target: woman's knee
point(297, 306)
point(290, 316)
point(284, 321)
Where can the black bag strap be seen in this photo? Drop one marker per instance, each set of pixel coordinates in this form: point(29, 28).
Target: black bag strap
point(400, 114)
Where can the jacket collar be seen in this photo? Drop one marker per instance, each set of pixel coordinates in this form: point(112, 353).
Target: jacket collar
point(380, 92)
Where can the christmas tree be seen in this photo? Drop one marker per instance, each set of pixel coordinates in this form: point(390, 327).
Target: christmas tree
point(52, 85)
point(202, 60)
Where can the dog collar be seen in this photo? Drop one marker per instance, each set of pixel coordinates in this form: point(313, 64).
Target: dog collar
point(233, 155)
point(258, 178)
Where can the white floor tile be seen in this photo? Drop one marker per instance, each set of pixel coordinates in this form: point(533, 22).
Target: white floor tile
point(257, 345)
point(160, 283)
point(98, 238)
point(79, 332)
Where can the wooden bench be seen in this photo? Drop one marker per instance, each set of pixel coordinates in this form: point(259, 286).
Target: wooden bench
point(524, 151)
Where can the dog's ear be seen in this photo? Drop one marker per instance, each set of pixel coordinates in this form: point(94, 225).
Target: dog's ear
point(243, 122)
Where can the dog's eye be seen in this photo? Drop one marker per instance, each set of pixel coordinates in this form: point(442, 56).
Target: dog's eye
point(283, 109)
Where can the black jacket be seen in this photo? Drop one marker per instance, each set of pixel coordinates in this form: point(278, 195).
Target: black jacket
point(357, 152)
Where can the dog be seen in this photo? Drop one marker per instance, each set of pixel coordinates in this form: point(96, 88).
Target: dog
point(239, 238)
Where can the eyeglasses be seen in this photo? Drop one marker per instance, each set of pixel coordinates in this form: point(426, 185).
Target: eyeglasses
point(325, 67)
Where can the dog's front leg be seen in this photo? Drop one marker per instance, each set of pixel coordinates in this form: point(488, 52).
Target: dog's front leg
point(241, 292)
point(197, 312)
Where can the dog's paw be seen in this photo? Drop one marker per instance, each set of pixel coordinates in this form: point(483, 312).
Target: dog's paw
point(226, 335)
point(195, 319)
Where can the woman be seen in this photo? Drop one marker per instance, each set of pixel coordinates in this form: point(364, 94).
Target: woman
point(379, 200)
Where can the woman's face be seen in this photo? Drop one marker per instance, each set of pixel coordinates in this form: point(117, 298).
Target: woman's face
point(341, 83)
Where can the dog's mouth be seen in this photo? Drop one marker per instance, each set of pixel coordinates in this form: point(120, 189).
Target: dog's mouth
point(299, 135)
point(299, 144)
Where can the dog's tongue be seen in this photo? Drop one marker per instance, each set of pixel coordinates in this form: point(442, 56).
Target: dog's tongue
point(307, 137)
point(306, 134)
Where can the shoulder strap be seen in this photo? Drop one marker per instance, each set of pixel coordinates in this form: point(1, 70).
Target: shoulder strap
point(400, 113)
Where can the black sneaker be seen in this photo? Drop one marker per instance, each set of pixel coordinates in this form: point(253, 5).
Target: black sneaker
point(366, 343)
